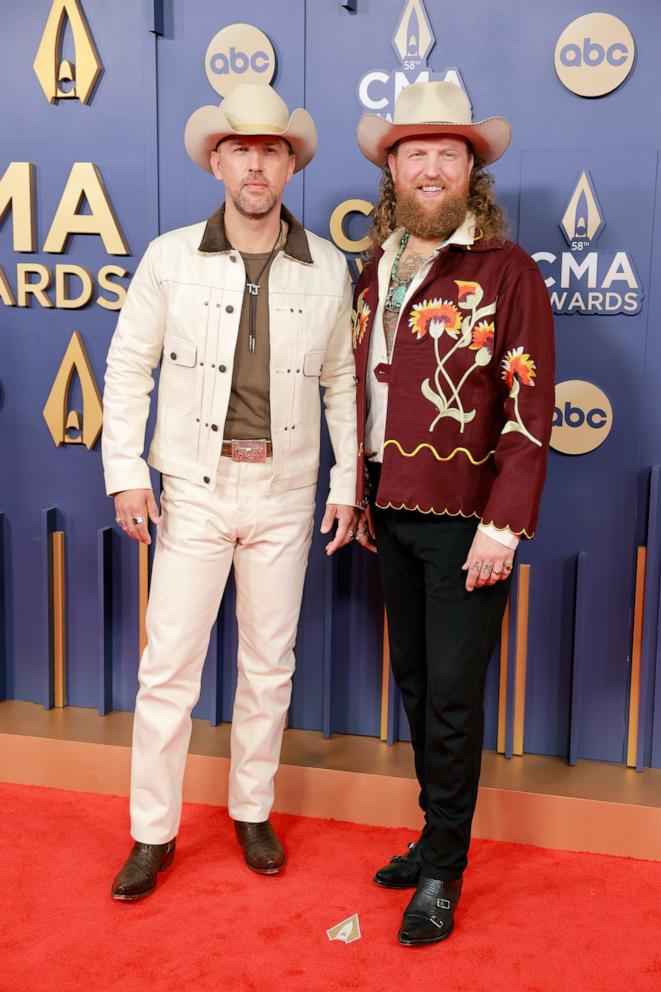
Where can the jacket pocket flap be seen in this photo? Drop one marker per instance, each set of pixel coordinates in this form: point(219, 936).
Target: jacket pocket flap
point(313, 363)
point(180, 352)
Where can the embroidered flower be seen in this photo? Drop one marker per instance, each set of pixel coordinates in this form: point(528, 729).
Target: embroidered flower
point(434, 317)
point(483, 336)
point(360, 316)
point(470, 293)
point(520, 366)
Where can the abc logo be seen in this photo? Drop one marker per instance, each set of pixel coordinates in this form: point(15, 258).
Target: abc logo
point(594, 54)
point(582, 418)
point(240, 53)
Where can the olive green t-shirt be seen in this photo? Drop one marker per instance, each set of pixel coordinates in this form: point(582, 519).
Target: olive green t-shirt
point(249, 410)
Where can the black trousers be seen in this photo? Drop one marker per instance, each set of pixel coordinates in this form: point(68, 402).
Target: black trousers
point(441, 639)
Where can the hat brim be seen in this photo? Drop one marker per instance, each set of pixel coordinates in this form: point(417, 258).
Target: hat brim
point(489, 138)
point(209, 125)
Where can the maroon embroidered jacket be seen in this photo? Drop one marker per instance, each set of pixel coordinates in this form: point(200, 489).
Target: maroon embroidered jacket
point(470, 387)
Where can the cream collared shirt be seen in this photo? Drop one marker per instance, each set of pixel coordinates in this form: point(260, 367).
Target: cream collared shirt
point(377, 391)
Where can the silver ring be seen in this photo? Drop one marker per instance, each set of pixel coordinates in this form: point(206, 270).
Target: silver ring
point(138, 520)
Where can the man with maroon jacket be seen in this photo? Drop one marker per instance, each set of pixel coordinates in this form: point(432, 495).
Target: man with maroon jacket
point(453, 339)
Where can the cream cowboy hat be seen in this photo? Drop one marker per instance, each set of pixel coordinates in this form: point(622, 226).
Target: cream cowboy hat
point(250, 109)
point(432, 108)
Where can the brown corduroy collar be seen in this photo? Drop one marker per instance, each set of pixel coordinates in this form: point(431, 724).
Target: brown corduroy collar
point(296, 246)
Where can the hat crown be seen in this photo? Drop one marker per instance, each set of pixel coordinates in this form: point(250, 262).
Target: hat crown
point(252, 105)
point(432, 103)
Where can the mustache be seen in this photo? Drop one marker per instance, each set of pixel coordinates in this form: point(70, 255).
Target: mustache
point(255, 177)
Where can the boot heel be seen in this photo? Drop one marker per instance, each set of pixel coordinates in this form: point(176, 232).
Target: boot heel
point(167, 860)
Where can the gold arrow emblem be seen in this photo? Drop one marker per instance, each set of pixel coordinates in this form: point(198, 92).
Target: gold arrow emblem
point(347, 931)
point(61, 79)
point(74, 426)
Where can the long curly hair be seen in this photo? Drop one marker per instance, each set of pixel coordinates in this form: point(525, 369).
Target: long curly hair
point(491, 221)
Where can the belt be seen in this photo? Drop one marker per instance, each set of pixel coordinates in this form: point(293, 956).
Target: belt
point(247, 451)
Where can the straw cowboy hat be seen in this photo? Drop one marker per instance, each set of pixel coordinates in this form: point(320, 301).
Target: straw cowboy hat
point(432, 108)
point(250, 109)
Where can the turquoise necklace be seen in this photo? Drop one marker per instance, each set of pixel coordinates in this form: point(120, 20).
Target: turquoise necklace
point(398, 287)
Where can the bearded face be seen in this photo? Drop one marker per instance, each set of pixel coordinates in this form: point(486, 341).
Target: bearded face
point(431, 176)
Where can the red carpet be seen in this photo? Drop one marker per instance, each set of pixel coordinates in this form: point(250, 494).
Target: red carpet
point(530, 920)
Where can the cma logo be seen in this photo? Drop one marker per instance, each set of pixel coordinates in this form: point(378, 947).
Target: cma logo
point(413, 40)
point(68, 426)
point(239, 53)
point(60, 78)
point(591, 53)
point(584, 280)
point(582, 418)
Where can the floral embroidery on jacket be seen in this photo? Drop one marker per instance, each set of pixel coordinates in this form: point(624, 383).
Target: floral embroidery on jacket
point(477, 337)
point(359, 318)
point(431, 315)
point(518, 369)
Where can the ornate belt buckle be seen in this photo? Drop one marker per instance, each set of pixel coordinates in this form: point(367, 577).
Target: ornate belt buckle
point(248, 451)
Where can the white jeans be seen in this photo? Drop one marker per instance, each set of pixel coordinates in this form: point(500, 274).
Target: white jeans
point(201, 534)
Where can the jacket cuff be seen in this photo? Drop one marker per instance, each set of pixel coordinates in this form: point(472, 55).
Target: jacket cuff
point(342, 495)
point(505, 537)
point(134, 478)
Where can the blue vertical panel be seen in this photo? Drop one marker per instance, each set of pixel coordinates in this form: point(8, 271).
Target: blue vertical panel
point(229, 636)
point(511, 666)
point(104, 563)
point(491, 700)
point(578, 658)
point(45, 587)
point(109, 132)
point(327, 653)
point(656, 725)
point(215, 667)
point(650, 622)
point(3, 613)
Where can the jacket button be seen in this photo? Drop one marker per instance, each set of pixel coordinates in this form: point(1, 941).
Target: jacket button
point(229, 308)
point(214, 427)
point(222, 368)
point(207, 479)
point(173, 356)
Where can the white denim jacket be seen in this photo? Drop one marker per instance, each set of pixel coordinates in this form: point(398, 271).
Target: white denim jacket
point(183, 309)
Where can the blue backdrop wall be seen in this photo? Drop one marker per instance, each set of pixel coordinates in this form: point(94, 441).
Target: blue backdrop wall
point(590, 668)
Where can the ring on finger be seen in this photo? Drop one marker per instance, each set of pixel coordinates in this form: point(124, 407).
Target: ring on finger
point(508, 566)
point(138, 520)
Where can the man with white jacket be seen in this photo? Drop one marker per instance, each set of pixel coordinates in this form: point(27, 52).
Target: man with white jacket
point(248, 314)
